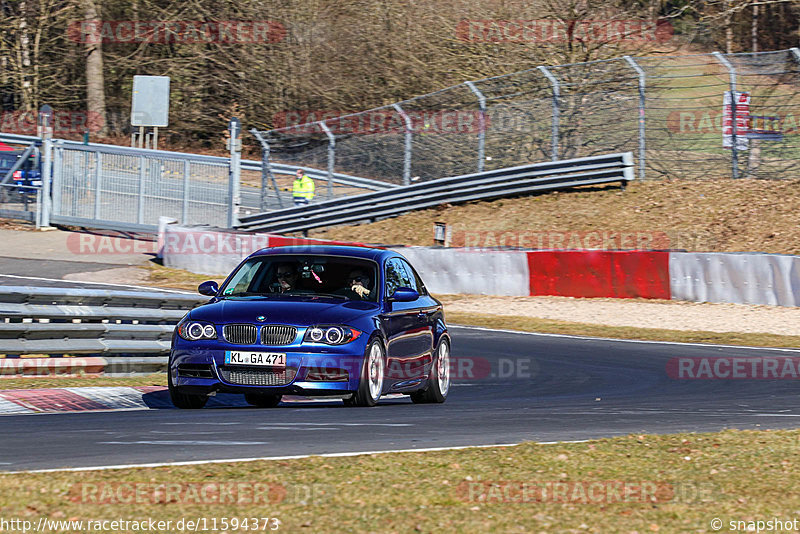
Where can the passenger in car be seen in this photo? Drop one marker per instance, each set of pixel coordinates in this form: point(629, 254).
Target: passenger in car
point(357, 286)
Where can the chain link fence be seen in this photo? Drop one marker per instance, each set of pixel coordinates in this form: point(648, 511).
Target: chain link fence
point(668, 110)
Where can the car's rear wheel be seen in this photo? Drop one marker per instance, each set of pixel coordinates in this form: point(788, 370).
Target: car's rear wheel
point(372, 372)
point(262, 401)
point(184, 401)
point(439, 380)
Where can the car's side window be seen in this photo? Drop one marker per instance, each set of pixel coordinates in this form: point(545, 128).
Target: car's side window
point(415, 282)
point(396, 276)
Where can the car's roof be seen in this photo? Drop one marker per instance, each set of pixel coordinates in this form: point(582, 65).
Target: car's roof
point(374, 254)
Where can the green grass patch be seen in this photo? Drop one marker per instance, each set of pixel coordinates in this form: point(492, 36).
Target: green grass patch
point(672, 483)
point(533, 324)
point(41, 382)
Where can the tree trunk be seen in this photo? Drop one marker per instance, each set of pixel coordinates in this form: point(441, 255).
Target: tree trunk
point(754, 27)
point(728, 27)
point(95, 83)
point(25, 59)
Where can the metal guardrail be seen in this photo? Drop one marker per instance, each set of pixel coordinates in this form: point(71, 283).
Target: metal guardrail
point(108, 321)
point(488, 185)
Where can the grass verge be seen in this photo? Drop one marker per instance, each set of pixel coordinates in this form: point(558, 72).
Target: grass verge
point(549, 326)
point(42, 382)
point(667, 483)
point(160, 276)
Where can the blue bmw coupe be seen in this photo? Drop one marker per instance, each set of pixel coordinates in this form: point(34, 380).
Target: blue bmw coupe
point(313, 320)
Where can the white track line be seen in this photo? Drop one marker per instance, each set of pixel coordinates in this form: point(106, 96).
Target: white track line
point(97, 283)
point(590, 338)
point(272, 458)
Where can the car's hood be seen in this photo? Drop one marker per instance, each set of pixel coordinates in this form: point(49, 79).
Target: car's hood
point(296, 311)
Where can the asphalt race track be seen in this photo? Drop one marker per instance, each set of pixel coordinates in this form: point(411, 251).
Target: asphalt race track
point(551, 388)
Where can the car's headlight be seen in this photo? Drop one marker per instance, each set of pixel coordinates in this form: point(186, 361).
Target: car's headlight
point(196, 330)
point(331, 335)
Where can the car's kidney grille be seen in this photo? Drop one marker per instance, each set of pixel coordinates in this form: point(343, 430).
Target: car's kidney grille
point(240, 334)
point(277, 334)
point(249, 376)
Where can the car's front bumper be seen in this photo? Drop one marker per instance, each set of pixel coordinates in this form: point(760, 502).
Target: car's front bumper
point(320, 371)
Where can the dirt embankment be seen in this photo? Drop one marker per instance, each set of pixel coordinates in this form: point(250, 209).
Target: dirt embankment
point(708, 216)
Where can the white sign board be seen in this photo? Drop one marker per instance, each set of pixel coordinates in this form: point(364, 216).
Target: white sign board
point(742, 120)
point(150, 106)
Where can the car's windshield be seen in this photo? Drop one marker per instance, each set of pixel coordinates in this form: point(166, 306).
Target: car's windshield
point(303, 275)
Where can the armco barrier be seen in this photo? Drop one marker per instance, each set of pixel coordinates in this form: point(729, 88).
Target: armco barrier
point(741, 278)
point(42, 320)
point(448, 271)
point(744, 278)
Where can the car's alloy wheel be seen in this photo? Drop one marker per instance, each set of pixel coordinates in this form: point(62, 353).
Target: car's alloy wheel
point(438, 384)
point(262, 401)
point(185, 401)
point(370, 386)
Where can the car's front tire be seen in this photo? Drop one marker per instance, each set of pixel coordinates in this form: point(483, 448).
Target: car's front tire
point(438, 384)
point(262, 401)
point(373, 370)
point(184, 401)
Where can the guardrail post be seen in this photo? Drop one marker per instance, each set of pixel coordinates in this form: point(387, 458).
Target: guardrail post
point(407, 152)
point(734, 126)
point(796, 53)
point(331, 155)
point(47, 166)
point(481, 124)
point(140, 212)
point(185, 208)
point(235, 128)
point(57, 156)
point(98, 176)
point(266, 172)
point(642, 80)
point(556, 109)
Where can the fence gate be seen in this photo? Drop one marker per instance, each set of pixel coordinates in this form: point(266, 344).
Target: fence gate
point(128, 189)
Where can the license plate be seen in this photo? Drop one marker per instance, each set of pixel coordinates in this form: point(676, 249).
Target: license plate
point(267, 359)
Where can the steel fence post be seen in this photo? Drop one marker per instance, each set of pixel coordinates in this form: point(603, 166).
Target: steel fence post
point(185, 207)
point(56, 156)
point(481, 124)
point(556, 109)
point(642, 80)
point(47, 175)
point(331, 155)
point(734, 126)
point(266, 172)
point(407, 152)
point(98, 176)
point(235, 129)
point(140, 212)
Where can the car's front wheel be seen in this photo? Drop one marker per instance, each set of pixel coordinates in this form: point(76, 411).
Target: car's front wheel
point(185, 401)
point(262, 401)
point(439, 380)
point(370, 386)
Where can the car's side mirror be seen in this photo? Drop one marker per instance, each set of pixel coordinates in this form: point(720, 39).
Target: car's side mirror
point(210, 288)
point(404, 294)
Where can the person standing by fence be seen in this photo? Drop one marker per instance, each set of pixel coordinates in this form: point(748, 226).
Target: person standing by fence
point(302, 188)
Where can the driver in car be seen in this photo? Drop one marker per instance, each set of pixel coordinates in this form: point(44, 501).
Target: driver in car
point(357, 285)
point(285, 278)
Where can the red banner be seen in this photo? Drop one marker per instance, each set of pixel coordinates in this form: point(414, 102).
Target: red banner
point(634, 274)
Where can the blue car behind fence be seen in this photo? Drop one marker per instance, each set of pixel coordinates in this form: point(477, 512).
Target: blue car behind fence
point(313, 320)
